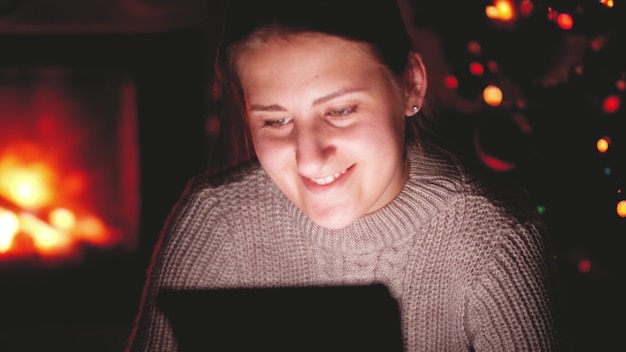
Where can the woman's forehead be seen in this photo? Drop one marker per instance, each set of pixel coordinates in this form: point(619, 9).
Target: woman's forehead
point(300, 43)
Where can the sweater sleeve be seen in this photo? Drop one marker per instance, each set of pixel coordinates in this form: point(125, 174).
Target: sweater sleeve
point(510, 306)
point(178, 262)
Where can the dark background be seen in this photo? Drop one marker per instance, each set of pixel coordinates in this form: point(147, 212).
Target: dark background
point(90, 307)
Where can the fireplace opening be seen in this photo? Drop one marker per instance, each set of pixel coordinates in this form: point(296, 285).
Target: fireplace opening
point(69, 171)
point(99, 134)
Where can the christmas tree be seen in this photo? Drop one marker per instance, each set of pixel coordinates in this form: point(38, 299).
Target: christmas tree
point(536, 90)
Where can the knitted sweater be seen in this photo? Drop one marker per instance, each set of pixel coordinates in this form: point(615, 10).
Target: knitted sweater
point(468, 265)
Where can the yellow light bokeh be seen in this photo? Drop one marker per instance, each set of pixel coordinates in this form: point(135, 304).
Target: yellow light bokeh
point(501, 10)
point(603, 144)
point(491, 12)
point(621, 208)
point(608, 3)
point(492, 95)
point(506, 11)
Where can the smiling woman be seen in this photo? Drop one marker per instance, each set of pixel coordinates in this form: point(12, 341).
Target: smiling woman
point(348, 186)
point(327, 124)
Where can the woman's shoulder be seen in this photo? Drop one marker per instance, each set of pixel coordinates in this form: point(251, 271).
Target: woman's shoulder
point(473, 186)
point(491, 210)
point(237, 184)
point(231, 178)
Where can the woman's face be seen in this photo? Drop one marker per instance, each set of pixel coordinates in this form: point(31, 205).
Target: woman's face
point(327, 125)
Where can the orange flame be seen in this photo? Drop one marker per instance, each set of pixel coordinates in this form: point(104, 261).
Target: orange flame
point(27, 210)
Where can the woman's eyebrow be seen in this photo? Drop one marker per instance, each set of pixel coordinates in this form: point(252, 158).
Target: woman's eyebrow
point(338, 93)
point(270, 108)
point(318, 101)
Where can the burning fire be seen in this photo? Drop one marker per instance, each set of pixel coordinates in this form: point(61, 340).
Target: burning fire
point(32, 221)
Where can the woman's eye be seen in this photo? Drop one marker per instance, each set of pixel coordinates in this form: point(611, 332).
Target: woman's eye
point(275, 123)
point(342, 112)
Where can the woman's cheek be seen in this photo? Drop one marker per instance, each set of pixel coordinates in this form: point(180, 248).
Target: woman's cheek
point(271, 151)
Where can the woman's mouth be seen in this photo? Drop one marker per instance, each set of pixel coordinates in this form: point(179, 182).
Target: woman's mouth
point(328, 179)
point(319, 183)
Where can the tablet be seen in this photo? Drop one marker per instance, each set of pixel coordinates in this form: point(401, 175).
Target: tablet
point(335, 318)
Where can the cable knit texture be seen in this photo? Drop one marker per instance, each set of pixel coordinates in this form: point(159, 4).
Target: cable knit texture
point(467, 263)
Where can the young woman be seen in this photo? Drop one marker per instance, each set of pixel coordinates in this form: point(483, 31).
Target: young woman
point(348, 186)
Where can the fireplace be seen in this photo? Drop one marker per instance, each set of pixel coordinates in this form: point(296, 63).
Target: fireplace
point(103, 120)
point(99, 133)
point(69, 171)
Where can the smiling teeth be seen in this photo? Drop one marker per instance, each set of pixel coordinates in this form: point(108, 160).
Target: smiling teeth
point(328, 179)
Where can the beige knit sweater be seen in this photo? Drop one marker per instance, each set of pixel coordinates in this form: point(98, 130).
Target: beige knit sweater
point(468, 264)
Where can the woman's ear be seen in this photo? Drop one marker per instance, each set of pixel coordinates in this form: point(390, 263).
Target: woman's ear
point(415, 81)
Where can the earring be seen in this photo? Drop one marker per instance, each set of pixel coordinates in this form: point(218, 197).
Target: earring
point(415, 109)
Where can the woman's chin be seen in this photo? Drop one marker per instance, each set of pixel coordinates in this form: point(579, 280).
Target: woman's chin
point(332, 221)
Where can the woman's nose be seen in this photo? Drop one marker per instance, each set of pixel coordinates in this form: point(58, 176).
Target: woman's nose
point(314, 149)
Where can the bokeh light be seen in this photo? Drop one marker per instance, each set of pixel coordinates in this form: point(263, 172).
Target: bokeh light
point(607, 3)
point(492, 95)
point(502, 10)
point(611, 104)
point(603, 144)
point(474, 47)
point(565, 21)
point(476, 68)
point(526, 7)
point(621, 208)
point(584, 265)
point(451, 82)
